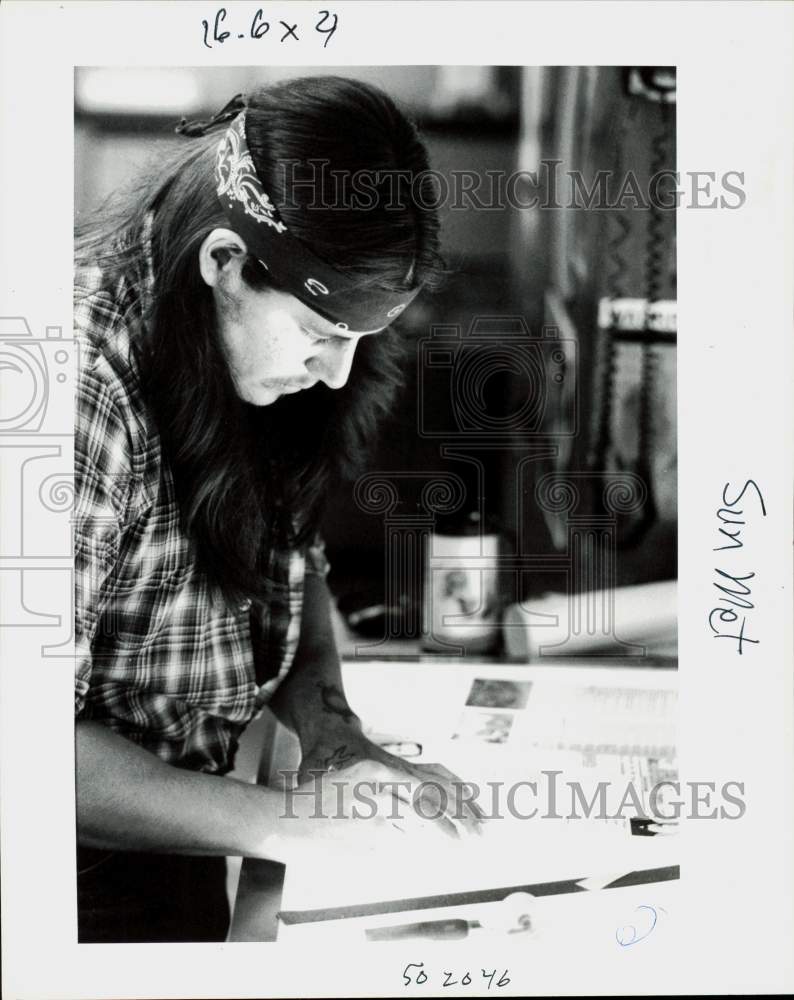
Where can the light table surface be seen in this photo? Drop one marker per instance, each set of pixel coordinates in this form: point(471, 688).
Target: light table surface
point(611, 709)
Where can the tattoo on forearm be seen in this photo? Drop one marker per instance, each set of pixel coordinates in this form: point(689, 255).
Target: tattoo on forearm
point(339, 757)
point(335, 702)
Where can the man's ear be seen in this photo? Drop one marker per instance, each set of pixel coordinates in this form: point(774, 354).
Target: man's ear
point(219, 248)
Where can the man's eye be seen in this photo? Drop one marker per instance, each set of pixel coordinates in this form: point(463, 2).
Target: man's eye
point(318, 338)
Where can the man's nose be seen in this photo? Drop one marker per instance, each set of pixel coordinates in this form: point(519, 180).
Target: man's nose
point(334, 362)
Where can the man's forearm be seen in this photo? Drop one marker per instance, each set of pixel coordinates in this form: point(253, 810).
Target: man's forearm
point(129, 799)
point(311, 699)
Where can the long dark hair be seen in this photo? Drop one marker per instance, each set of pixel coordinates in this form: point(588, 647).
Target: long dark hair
point(251, 480)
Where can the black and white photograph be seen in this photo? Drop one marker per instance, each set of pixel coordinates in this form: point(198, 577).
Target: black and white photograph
point(354, 340)
point(392, 539)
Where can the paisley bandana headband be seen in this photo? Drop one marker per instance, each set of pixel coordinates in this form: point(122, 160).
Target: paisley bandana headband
point(288, 260)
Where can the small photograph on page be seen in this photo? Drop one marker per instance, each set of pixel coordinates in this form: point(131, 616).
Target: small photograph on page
point(498, 693)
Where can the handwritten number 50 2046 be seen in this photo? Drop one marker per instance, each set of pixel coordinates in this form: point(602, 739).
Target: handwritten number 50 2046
point(414, 974)
point(259, 27)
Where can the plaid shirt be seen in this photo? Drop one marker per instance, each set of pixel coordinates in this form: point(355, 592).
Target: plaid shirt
point(160, 659)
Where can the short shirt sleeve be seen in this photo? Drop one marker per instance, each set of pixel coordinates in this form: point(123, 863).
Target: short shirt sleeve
point(102, 466)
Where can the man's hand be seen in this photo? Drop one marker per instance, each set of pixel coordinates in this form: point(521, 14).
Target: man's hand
point(425, 796)
point(355, 777)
